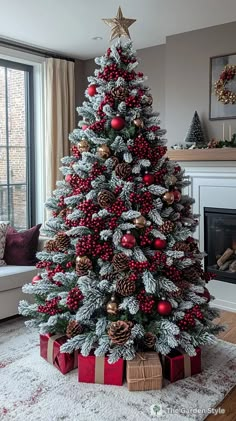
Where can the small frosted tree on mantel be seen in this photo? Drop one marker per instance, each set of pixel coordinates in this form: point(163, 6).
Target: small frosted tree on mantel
point(195, 133)
point(123, 270)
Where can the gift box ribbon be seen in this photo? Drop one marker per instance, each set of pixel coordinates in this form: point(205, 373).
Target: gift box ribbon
point(50, 348)
point(187, 364)
point(99, 370)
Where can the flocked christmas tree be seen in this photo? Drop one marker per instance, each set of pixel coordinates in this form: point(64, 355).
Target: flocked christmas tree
point(195, 133)
point(122, 271)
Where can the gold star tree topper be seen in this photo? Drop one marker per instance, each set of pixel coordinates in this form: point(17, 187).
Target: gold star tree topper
point(119, 25)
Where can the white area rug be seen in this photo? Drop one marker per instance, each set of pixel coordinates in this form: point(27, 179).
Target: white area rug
point(32, 390)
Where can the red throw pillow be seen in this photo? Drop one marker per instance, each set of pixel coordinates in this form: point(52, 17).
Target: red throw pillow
point(21, 247)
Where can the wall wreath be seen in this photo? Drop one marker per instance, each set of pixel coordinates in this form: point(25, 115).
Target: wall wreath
point(225, 95)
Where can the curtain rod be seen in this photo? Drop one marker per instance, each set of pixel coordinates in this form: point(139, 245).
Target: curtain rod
point(33, 50)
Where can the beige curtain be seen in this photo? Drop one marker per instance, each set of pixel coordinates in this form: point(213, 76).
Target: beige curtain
point(59, 116)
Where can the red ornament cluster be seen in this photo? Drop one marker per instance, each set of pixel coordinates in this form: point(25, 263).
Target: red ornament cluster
point(144, 202)
point(113, 72)
point(173, 273)
point(146, 302)
point(91, 245)
point(143, 150)
point(189, 321)
point(74, 298)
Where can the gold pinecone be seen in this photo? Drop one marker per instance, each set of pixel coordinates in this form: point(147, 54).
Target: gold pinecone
point(50, 246)
point(149, 340)
point(167, 227)
point(62, 241)
point(105, 198)
point(120, 331)
point(73, 328)
point(123, 170)
point(181, 246)
point(125, 287)
point(120, 261)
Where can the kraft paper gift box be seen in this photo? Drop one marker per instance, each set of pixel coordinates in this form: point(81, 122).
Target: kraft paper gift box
point(50, 351)
point(144, 372)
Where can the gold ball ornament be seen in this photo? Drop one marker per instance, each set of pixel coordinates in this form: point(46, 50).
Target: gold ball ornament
point(138, 123)
point(83, 146)
point(140, 222)
point(104, 151)
point(169, 197)
point(112, 306)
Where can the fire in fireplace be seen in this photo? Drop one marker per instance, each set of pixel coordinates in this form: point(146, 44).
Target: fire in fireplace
point(220, 243)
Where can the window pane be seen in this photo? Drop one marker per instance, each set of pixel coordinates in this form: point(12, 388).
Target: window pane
point(17, 161)
point(16, 107)
point(18, 216)
point(2, 107)
point(4, 203)
point(3, 165)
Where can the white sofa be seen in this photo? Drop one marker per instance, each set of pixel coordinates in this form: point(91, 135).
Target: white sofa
point(12, 278)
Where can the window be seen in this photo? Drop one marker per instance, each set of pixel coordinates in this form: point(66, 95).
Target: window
point(16, 144)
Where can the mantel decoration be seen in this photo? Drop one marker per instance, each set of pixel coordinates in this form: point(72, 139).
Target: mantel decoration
point(222, 87)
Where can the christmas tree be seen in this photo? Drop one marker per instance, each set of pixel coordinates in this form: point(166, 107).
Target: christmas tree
point(122, 271)
point(195, 133)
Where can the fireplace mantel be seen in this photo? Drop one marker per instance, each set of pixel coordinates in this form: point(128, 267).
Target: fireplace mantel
point(218, 154)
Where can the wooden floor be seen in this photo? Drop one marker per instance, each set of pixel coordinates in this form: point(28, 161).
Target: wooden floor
point(229, 403)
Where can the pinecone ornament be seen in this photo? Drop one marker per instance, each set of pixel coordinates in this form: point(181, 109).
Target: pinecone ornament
point(123, 170)
point(181, 246)
point(83, 265)
point(50, 246)
point(120, 261)
point(120, 331)
point(191, 274)
point(62, 241)
point(182, 285)
point(106, 198)
point(149, 340)
point(167, 227)
point(125, 287)
point(119, 93)
point(73, 328)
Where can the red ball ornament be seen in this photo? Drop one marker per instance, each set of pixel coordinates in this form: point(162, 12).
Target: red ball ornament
point(148, 179)
point(36, 279)
point(159, 244)
point(128, 241)
point(164, 308)
point(84, 126)
point(118, 123)
point(177, 195)
point(68, 178)
point(92, 90)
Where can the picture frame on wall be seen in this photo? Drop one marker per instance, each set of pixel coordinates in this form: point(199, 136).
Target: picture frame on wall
point(218, 110)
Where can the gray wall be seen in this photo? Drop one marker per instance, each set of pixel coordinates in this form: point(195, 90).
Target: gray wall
point(178, 75)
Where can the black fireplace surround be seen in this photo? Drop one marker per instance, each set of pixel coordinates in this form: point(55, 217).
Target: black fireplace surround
point(219, 240)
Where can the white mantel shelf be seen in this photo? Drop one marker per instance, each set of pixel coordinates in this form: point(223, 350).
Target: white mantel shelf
point(218, 154)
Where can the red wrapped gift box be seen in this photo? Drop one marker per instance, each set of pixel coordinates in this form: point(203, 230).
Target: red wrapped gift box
point(178, 365)
point(50, 351)
point(93, 369)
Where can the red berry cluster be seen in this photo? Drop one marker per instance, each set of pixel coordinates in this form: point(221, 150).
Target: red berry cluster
point(173, 273)
point(118, 207)
point(118, 190)
point(146, 302)
point(177, 169)
point(143, 201)
point(73, 299)
point(145, 238)
point(83, 185)
point(142, 150)
point(159, 175)
point(75, 152)
point(97, 170)
point(113, 72)
point(140, 74)
point(112, 223)
point(138, 266)
point(208, 276)
point(132, 101)
point(61, 202)
point(57, 269)
point(154, 129)
point(108, 99)
point(96, 224)
point(159, 259)
point(98, 126)
point(133, 276)
point(69, 265)
point(188, 321)
point(90, 245)
point(88, 208)
point(50, 307)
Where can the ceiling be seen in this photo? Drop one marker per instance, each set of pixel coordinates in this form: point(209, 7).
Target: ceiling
point(68, 26)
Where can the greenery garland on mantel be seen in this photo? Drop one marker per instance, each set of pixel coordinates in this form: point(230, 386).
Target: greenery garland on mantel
point(212, 144)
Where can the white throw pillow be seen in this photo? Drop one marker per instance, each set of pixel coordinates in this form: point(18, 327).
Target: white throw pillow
point(3, 234)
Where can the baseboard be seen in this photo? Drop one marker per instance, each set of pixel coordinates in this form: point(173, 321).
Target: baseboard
point(224, 305)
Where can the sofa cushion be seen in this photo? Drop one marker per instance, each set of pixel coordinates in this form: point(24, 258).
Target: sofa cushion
point(16, 276)
point(3, 231)
point(21, 247)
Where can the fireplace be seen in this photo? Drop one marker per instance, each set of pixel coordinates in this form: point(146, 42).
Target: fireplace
point(220, 243)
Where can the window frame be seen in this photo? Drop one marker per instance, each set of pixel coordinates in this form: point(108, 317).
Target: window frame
point(30, 139)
